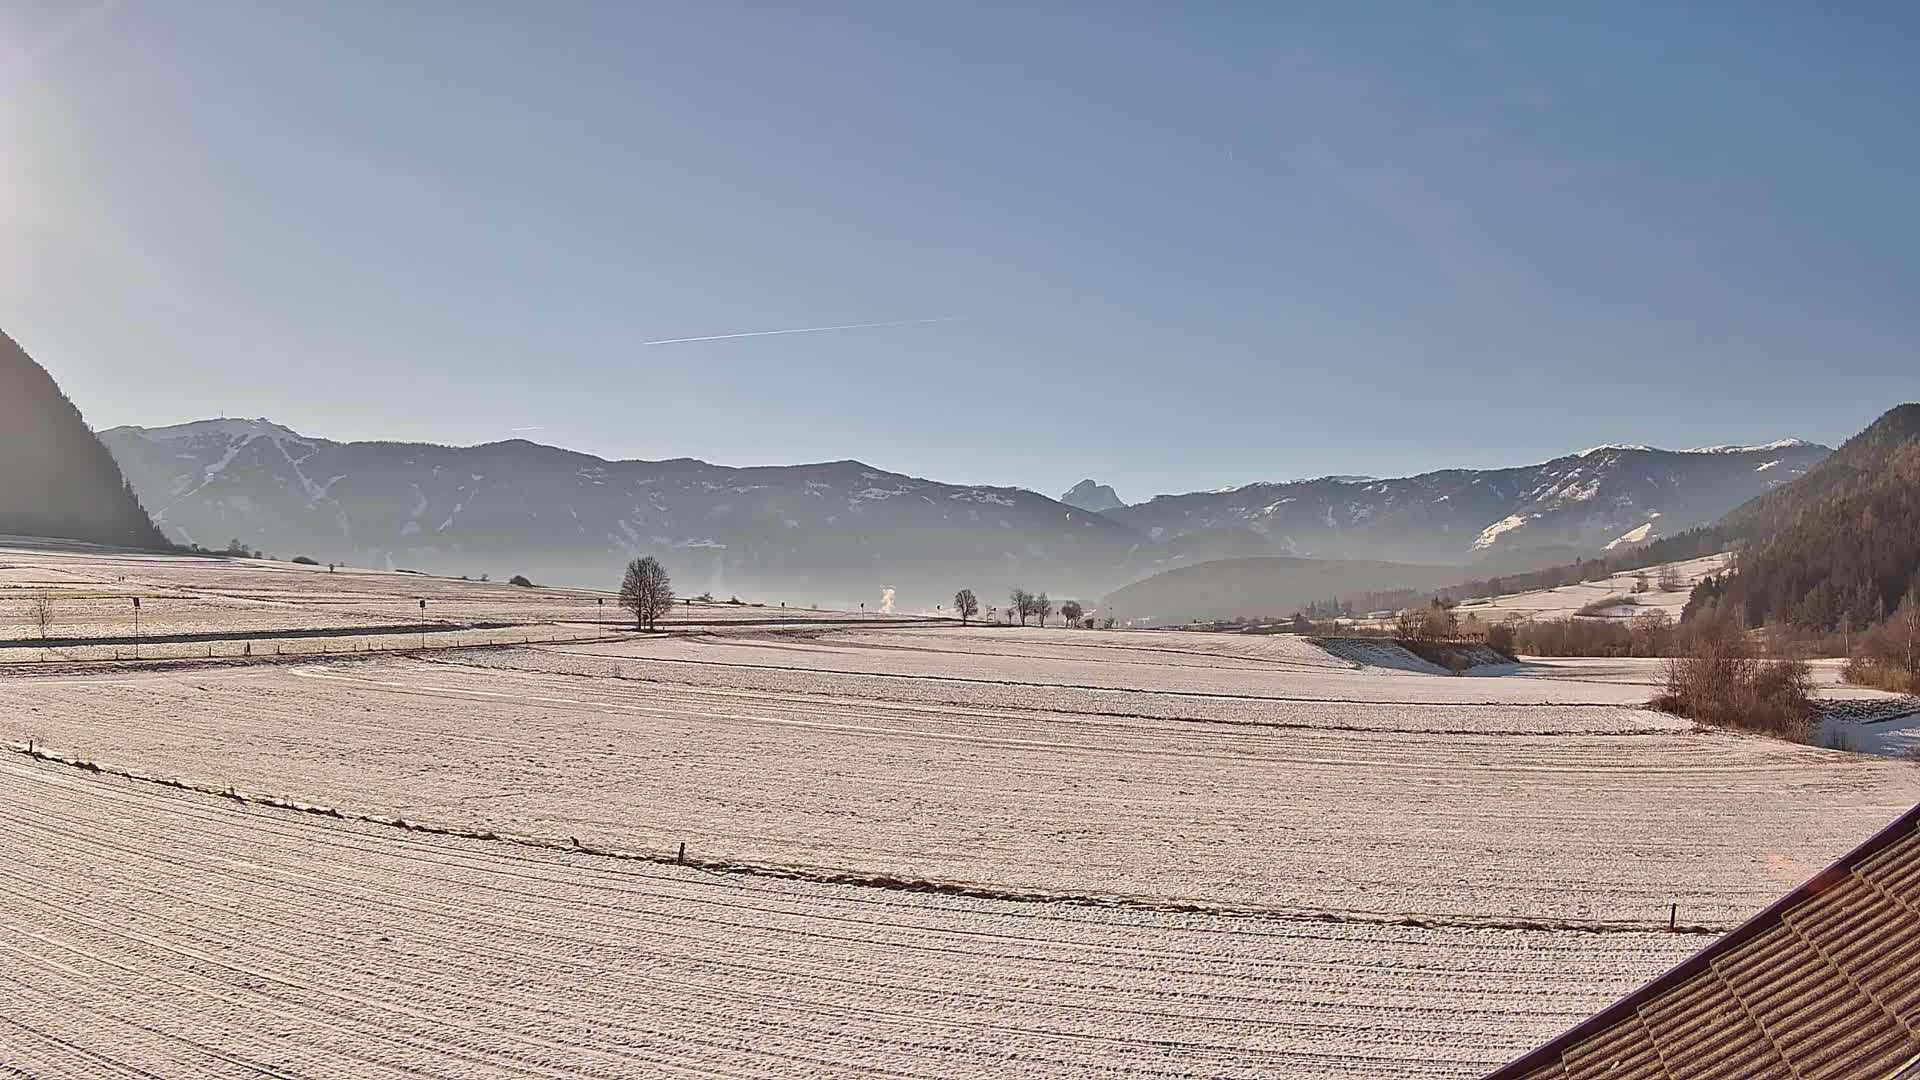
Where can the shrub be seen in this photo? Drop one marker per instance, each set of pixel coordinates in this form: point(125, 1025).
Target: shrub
point(1888, 655)
point(1500, 638)
point(1572, 637)
point(1718, 680)
point(304, 561)
point(1434, 622)
point(1605, 604)
point(520, 580)
point(1866, 671)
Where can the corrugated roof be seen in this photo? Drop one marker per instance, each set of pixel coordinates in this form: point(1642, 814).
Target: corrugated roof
point(1822, 985)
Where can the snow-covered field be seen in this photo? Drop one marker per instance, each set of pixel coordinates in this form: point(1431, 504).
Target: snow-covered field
point(948, 853)
point(90, 592)
point(1567, 600)
point(156, 933)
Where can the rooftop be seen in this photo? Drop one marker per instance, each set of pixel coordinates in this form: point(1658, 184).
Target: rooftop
point(1822, 985)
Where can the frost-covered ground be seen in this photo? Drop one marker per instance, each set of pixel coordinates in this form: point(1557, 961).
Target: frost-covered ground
point(91, 590)
point(246, 942)
point(1140, 665)
point(1207, 779)
point(1153, 854)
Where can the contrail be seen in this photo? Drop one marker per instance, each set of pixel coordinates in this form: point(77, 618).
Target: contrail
point(805, 330)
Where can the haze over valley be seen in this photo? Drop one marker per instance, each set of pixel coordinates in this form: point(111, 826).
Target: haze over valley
point(842, 531)
point(838, 541)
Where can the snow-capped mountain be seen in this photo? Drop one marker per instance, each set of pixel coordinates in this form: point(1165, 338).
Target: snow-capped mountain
point(1088, 495)
point(833, 532)
point(840, 531)
point(1602, 497)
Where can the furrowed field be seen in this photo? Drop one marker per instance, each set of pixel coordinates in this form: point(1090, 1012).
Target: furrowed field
point(911, 849)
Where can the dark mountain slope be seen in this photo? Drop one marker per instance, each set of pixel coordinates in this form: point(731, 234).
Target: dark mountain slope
point(1275, 586)
point(56, 479)
point(1841, 544)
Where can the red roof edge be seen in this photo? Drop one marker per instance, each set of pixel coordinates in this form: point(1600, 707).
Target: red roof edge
point(1692, 965)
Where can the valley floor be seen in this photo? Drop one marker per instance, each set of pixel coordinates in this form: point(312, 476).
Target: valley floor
point(913, 851)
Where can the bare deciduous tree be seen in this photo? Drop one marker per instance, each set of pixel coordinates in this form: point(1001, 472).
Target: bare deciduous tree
point(40, 610)
point(1651, 633)
point(646, 591)
point(1906, 632)
point(1020, 602)
point(1042, 607)
point(1910, 622)
point(1670, 580)
point(966, 604)
point(1071, 611)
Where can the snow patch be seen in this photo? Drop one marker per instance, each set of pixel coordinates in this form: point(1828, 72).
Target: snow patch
point(981, 497)
point(1493, 532)
point(1777, 444)
point(1632, 536)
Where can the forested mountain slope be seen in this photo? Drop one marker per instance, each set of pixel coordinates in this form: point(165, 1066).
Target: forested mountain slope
point(1840, 545)
point(56, 479)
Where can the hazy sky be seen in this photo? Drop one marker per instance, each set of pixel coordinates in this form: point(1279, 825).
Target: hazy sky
point(1168, 246)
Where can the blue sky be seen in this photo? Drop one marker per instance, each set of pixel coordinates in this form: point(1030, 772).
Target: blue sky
point(1171, 247)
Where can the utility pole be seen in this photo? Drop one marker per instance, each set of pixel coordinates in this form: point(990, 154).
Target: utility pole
point(136, 628)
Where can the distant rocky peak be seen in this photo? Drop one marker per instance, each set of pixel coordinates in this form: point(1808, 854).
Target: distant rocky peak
point(1092, 497)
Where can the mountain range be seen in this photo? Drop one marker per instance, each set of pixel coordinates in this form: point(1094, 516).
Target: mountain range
point(1600, 498)
point(842, 531)
point(835, 532)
